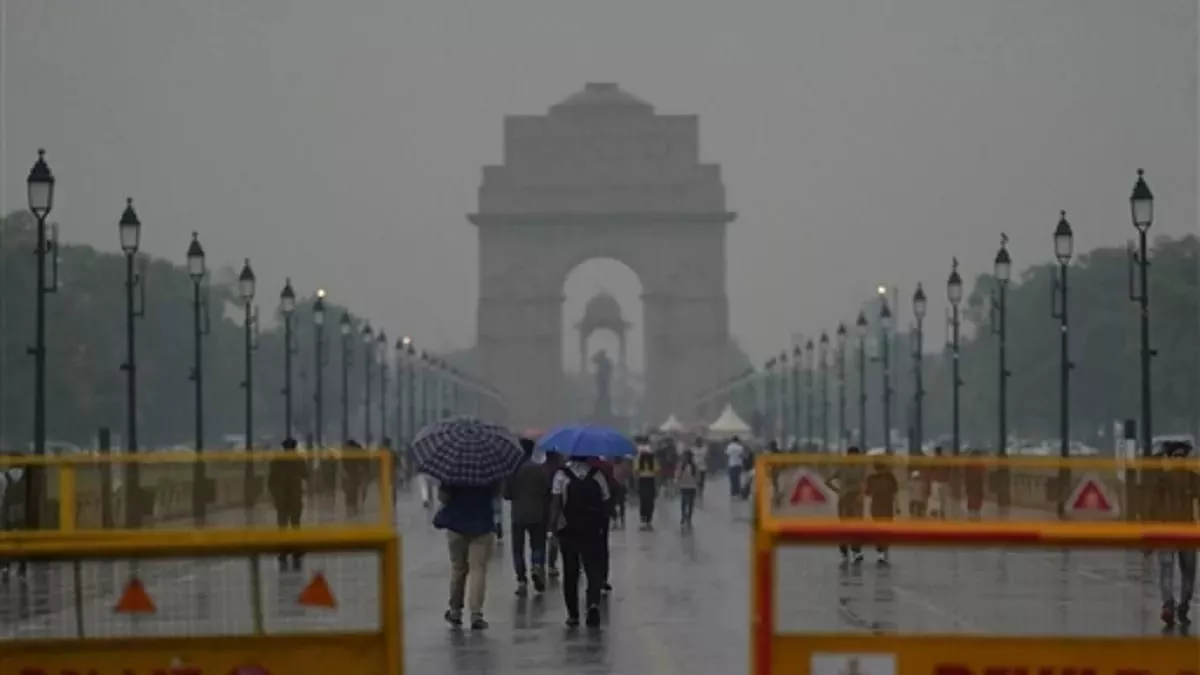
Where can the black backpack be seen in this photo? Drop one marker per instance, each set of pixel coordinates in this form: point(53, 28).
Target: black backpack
point(585, 509)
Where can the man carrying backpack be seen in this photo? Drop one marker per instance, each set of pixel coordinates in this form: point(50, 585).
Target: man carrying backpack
point(579, 514)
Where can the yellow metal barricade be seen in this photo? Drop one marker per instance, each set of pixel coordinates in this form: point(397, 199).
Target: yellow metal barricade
point(985, 566)
point(186, 563)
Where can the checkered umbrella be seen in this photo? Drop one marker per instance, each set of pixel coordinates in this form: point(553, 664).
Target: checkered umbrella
point(466, 451)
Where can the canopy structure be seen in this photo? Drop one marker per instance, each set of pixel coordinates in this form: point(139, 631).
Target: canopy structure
point(672, 425)
point(728, 424)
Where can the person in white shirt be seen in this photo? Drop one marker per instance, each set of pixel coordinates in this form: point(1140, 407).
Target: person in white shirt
point(700, 459)
point(735, 455)
point(579, 513)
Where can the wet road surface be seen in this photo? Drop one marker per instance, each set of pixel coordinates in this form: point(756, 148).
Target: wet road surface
point(680, 600)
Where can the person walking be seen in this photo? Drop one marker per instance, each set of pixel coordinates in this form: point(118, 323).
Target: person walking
point(554, 462)
point(528, 491)
point(700, 459)
point(622, 472)
point(883, 490)
point(468, 516)
point(354, 485)
point(847, 482)
point(646, 469)
point(285, 482)
point(1175, 492)
point(939, 487)
point(579, 508)
point(687, 477)
point(735, 454)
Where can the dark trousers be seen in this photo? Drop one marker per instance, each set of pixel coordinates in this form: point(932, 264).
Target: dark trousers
point(647, 492)
point(687, 504)
point(581, 552)
point(536, 533)
point(288, 517)
point(604, 560)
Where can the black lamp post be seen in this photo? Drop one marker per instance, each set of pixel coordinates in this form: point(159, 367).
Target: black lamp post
point(824, 384)
point(381, 353)
point(246, 289)
point(1002, 271)
point(810, 396)
point(346, 329)
point(368, 337)
point(885, 329)
point(131, 235)
point(841, 357)
point(797, 397)
point(1064, 244)
point(781, 389)
point(1141, 211)
point(920, 305)
point(401, 394)
point(410, 395)
point(319, 362)
point(200, 328)
point(860, 329)
point(954, 293)
point(40, 192)
point(287, 307)
point(426, 370)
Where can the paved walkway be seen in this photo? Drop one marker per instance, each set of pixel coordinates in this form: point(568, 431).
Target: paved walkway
point(680, 603)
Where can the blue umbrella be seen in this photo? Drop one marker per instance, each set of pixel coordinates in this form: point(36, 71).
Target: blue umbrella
point(588, 441)
point(466, 451)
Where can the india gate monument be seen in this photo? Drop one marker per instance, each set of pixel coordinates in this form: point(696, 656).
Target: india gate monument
point(601, 175)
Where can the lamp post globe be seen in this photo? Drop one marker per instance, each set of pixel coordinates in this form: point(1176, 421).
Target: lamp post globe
point(1002, 266)
point(246, 282)
point(954, 285)
point(195, 259)
point(344, 326)
point(287, 298)
point(1141, 203)
point(919, 302)
point(1064, 239)
point(860, 326)
point(318, 308)
point(39, 187)
point(131, 229)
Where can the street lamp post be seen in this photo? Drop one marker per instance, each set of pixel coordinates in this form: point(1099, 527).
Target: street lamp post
point(319, 362)
point(410, 367)
point(368, 337)
point(200, 328)
point(920, 305)
point(824, 384)
point(381, 353)
point(345, 328)
point(954, 293)
point(287, 306)
point(1141, 210)
point(40, 193)
point(401, 395)
point(1002, 271)
point(841, 357)
point(797, 397)
point(130, 228)
point(1064, 243)
point(781, 394)
point(810, 396)
point(246, 288)
point(860, 328)
point(885, 329)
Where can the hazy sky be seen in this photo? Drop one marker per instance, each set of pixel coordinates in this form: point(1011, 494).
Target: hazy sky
point(863, 142)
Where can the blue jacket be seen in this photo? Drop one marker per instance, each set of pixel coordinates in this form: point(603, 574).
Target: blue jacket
point(467, 510)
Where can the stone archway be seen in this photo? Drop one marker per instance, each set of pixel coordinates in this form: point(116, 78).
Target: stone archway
point(601, 176)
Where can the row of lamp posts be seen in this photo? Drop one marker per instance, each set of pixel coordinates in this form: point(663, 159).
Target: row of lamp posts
point(433, 375)
point(1142, 215)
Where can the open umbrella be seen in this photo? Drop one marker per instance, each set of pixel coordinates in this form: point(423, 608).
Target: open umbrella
point(587, 441)
point(466, 451)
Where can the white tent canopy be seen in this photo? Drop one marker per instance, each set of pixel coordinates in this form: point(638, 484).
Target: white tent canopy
point(672, 425)
point(728, 424)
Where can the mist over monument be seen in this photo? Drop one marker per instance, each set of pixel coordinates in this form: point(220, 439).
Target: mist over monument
point(601, 175)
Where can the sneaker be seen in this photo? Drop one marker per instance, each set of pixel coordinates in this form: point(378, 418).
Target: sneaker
point(858, 558)
point(1168, 613)
point(478, 622)
point(522, 589)
point(606, 589)
point(572, 622)
point(1182, 614)
point(453, 617)
point(882, 561)
point(593, 617)
point(539, 580)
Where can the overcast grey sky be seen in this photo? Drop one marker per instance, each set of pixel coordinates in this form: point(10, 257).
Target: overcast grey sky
point(863, 142)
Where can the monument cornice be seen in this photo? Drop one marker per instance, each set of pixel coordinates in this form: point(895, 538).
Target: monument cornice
point(602, 218)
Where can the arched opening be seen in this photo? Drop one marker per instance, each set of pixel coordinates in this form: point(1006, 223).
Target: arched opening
point(603, 346)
